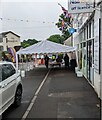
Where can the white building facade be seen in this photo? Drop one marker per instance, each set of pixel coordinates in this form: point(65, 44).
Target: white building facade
point(88, 40)
point(9, 39)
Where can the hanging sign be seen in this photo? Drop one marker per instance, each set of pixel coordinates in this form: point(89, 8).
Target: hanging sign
point(80, 6)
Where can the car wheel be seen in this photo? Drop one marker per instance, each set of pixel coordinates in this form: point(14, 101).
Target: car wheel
point(18, 97)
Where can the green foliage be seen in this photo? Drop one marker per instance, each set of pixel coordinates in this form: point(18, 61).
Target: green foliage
point(28, 42)
point(65, 32)
point(56, 38)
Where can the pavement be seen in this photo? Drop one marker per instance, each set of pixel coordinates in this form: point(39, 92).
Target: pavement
point(64, 95)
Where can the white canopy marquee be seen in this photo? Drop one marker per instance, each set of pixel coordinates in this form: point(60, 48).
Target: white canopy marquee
point(46, 46)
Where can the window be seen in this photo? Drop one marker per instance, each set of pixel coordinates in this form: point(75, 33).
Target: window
point(87, 31)
point(84, 44)
point(1, 39)
point(81, 45)
point(6, 40)
point(7, 71)
point(84, 33)
point(90, 30)
point(1, 48)
point(12, 70)
point(93, 28)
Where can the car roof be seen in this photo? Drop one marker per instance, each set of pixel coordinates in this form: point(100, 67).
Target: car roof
point(5, 62)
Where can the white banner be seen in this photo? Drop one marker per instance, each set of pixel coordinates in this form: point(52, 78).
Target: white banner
point(80, 6)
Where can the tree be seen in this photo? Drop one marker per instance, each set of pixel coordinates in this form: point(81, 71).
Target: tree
point(56, 38)
point(28, 42)
point(63, 24)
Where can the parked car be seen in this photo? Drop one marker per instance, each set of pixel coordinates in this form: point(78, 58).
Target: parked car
point(10, 86)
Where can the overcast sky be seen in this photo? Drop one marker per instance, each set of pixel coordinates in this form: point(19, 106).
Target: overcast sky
point(31, 19)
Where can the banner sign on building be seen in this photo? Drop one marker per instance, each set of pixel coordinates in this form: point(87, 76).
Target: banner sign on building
point(80, 6)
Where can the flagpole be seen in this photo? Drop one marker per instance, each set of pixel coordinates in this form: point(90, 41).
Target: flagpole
point(59, 4)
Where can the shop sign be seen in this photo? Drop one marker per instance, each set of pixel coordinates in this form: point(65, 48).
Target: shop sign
point(80, 6)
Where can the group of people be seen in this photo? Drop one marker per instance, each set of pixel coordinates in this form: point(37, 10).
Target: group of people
point(8, 57)
point(72, 64)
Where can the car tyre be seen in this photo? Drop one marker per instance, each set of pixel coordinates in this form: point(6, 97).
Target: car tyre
point(18, 97)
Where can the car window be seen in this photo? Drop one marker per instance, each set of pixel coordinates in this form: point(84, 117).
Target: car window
point(12, 69)
point(7, 71)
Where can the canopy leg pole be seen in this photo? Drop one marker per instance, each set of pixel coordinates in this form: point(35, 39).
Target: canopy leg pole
point(27, 62)
point(36, 60)
point(16, 62)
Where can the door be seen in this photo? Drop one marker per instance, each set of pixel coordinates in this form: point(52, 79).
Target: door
point(8, 85)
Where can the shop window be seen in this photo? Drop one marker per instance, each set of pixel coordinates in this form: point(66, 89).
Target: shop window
point(90, 30)
point(87, 31)
point(93, 28)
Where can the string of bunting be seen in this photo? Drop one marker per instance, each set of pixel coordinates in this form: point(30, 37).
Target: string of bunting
point(22, 20)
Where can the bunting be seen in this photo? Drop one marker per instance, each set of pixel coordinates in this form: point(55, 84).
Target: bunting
point(23, 20)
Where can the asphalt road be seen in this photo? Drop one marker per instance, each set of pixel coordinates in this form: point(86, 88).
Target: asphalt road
point(30, 84)
point(62, 95)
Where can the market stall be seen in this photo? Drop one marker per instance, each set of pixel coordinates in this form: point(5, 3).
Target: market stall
point(44, 47)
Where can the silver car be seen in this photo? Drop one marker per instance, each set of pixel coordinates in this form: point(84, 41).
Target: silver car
point(10, 86)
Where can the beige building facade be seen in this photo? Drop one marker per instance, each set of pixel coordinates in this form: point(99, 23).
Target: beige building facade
point(9, 39)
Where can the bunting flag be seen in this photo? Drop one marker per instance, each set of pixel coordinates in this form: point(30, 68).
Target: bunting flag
point(22, 20)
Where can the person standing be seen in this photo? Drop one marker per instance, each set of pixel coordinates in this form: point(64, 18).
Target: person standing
point(46, 58)
point(66, 60)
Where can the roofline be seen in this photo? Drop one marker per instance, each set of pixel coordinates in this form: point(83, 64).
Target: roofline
point(4, 33)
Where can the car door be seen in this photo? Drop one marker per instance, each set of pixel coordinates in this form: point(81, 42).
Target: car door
point(0, 89)
point(8, 85)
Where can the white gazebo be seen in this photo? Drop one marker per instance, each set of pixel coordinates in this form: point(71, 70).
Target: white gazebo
point(44, 47)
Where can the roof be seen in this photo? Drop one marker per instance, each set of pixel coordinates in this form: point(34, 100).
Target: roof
point(46, 46)
point(5, 33)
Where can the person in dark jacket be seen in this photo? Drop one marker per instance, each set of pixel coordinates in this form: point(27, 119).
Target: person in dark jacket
point(46, 58)
point(66, 60)
point(73, 64)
